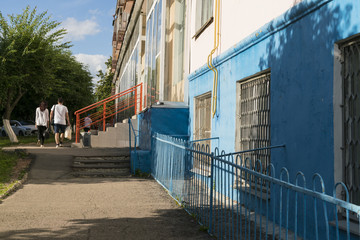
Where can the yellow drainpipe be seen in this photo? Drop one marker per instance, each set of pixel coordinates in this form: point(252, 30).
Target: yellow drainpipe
point(209, 60)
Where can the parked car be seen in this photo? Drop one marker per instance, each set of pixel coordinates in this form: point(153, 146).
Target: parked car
point(18, 129)
point(29, 124)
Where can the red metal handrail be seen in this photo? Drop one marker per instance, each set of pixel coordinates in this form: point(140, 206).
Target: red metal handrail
point(128, 99)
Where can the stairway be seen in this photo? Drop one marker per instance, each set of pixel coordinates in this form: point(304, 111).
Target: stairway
point(102, 166)
point(113, 137)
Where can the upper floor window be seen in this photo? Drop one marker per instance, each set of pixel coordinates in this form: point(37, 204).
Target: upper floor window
point(204, 15)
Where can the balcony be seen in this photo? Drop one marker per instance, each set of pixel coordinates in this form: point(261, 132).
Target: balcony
point(128, 6)
point(120, 36)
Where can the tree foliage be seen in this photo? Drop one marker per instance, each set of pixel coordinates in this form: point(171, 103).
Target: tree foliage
point(34, 62)
point(104, 87)
point(28, 44)
point(73, 84)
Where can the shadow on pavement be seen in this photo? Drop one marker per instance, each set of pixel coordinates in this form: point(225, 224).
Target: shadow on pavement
point(165, 224)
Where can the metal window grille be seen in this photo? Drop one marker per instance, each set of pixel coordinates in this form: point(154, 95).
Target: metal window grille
point(351, 118)
point(202, 128)
point(254, 118)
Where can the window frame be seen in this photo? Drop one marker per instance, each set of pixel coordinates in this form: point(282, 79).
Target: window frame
point(202, 167)
point(339, 106)
point(241, 182)
point(254, 77)
point(202, 26)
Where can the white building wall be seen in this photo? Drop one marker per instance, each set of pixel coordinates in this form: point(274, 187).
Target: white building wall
point(238, 19)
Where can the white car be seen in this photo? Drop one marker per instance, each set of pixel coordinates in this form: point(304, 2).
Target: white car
point(18, 129)
point(29, 124)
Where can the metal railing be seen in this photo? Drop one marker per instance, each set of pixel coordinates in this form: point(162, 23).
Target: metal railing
point(106, 109)
point(236, 199)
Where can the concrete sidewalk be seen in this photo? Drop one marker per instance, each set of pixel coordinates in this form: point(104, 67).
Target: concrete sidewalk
point(54, 205)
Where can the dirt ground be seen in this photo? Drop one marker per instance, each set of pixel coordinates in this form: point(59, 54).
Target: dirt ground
point(54, 205)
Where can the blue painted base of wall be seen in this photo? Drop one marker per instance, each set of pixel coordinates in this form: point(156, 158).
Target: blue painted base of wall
point(140, 161)
point(169, 118)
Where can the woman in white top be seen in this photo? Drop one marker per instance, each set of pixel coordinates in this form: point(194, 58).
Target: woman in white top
point(42, 121)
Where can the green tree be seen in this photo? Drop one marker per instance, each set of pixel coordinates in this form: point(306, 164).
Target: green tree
point(73, 83)
point(29, 46)
point(105, 85)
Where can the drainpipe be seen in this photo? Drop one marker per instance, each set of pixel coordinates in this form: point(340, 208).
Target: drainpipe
point(209, 60)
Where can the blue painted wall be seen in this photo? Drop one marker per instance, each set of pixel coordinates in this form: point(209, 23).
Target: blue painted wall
point(300, 57)
point(169, 119)
point(298, 48)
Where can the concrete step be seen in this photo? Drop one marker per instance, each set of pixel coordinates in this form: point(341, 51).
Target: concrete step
point(93, 174)
point(101, 166)
point(125, 156)
point(95, 161)
point(113, 137)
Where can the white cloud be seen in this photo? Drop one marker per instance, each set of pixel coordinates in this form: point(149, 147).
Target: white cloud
point(77, 30)
point(95, 12)
point(94, 62)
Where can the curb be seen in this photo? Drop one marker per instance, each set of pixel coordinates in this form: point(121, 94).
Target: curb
point(14, 188)
point(19, 183)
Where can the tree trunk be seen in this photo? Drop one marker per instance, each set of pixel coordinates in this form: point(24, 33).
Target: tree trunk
point(10, 131)
point(8, 110)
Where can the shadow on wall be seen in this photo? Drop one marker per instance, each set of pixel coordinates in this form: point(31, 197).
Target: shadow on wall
point(301, 61)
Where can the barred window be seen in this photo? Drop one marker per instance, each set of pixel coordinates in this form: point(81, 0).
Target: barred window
point(202, 124)
point(351, 120)
point(253, 117)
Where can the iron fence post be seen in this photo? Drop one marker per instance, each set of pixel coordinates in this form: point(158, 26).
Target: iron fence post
point(211, 191)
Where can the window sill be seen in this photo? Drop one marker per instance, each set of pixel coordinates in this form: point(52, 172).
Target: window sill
point(204, 171)
point(354, 227)
point(203, 27)
point(258, 193)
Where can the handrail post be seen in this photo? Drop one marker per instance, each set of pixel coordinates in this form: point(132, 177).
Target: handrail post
point(104, 116)
point(141, 93)
point(77, 140)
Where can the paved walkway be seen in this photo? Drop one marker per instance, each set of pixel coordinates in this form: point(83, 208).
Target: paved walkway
point(54, 205)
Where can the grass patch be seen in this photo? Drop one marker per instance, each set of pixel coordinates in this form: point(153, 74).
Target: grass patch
point(24, 140)
point(203, 228)
point(13, 167)
point(7, 163)
point(140, 174)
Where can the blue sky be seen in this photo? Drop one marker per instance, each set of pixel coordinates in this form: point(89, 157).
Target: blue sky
point(88, 22)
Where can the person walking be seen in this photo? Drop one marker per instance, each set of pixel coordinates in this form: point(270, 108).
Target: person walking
point(60, 114)
point(88, 122)
point(42, 121)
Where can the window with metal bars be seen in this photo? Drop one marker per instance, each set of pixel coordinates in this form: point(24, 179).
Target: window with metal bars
point(253, 118)
point(351, 117)
point(202, 125)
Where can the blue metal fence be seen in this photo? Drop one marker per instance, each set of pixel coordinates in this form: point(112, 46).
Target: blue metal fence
point(236, 197)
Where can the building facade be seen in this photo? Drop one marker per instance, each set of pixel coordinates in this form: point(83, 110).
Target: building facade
point(256, 74)
point(291, 78)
